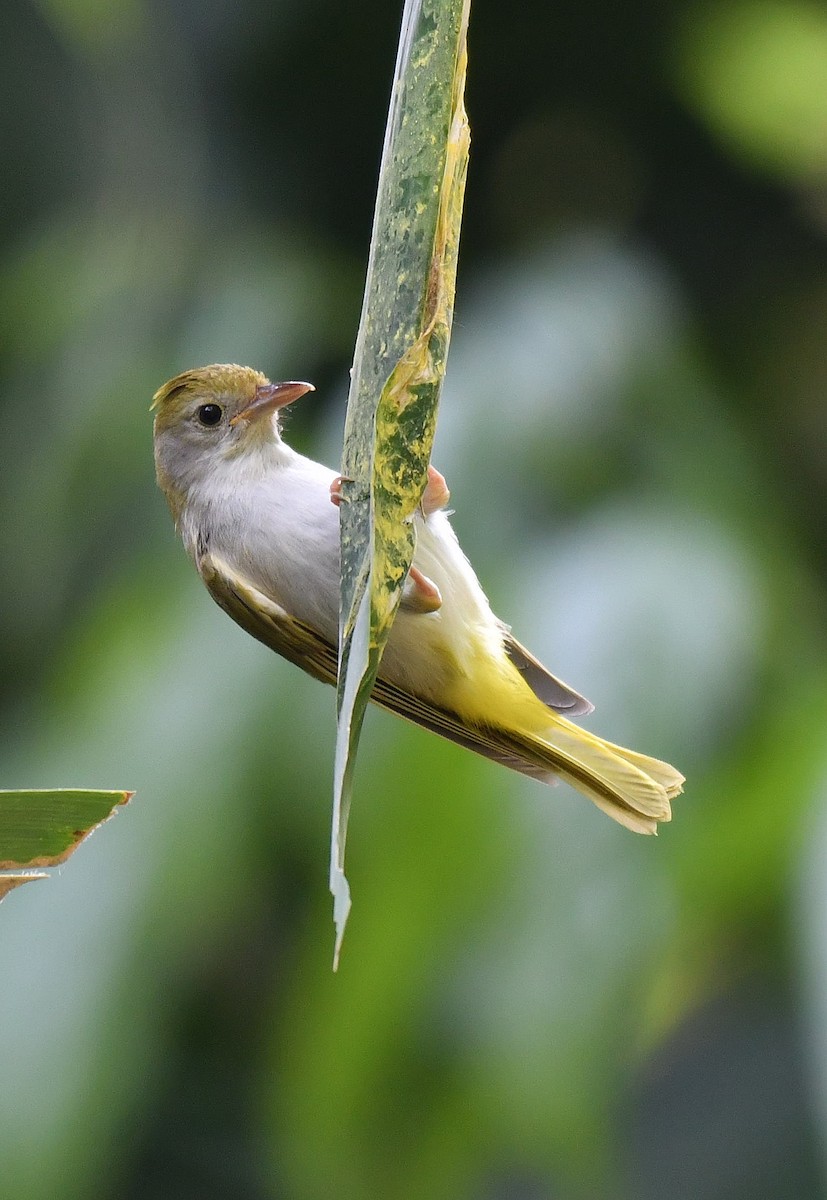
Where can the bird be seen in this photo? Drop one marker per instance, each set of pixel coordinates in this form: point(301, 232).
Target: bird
point(260, 523)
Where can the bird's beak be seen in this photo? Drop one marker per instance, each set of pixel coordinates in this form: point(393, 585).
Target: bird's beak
point(269, 398)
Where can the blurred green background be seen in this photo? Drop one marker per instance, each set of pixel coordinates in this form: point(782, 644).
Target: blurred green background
point(532, 1003)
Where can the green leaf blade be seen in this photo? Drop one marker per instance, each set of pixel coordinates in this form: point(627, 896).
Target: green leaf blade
point(399, 365)
point(41, 828)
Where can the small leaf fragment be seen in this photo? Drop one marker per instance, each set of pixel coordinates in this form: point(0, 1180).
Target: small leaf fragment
point(41, 828)
point(9, 882)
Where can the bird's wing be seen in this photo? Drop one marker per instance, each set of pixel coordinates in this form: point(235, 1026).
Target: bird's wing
point(633, 790)
point(269, 623)
point(546, 687)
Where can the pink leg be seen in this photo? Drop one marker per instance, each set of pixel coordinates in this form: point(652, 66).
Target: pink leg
point(436, 494)
point(420, 594)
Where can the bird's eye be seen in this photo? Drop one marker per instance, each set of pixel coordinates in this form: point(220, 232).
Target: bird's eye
point(210, 414)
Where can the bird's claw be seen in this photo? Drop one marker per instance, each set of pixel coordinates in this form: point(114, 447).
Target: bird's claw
point(420, 594)
point(436, 494)
point(336, 495)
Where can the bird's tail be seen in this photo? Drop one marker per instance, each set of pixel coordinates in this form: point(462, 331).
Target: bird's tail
point(631, 788)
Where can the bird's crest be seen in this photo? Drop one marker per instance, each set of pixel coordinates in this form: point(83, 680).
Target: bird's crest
point(218, 379)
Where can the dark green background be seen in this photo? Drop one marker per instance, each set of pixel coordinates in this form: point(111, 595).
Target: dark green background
point(532, 1003)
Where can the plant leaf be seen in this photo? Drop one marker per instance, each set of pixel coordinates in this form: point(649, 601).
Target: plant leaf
point(398, 367)
point(42, 828)
point(9, 882)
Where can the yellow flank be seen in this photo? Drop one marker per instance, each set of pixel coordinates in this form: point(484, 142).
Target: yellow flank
point(633, 788)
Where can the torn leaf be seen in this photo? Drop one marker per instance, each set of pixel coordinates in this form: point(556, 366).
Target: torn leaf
point(41, 828)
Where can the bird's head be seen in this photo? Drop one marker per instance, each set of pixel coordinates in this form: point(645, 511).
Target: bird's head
point(210, 414)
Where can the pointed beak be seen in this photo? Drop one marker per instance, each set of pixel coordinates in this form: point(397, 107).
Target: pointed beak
point(269, 398)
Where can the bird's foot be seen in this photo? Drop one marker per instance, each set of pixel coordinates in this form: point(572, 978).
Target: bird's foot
point(420, 594)
point(336, 496)
point(436, 494)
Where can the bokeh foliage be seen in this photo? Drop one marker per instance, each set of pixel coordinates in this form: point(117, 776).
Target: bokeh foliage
point(533, 1002)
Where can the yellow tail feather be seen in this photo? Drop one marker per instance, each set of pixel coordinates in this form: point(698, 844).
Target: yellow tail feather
point(632, 788)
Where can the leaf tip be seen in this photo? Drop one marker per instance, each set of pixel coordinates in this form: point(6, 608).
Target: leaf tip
point(340, 890)
point(9, 882)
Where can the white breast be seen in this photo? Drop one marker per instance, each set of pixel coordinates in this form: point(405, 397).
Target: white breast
point(279, 527)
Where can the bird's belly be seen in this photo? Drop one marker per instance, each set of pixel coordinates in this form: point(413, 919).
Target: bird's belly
point(290, 549)
point(445, 655)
